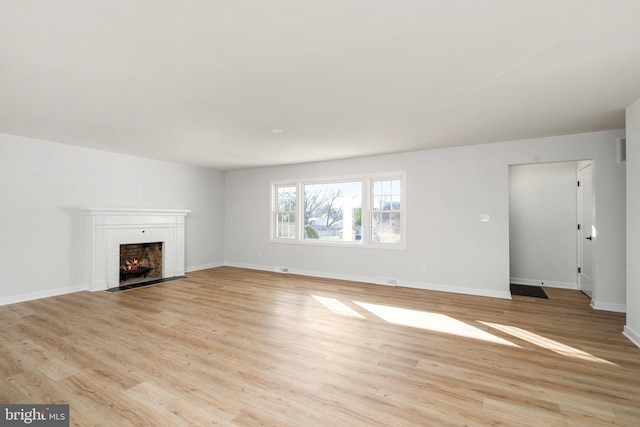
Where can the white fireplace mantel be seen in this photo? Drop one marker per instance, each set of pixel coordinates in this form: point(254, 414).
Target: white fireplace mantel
point(108, 228)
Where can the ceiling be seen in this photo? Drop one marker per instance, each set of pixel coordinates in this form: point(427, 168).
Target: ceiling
point(241, 84)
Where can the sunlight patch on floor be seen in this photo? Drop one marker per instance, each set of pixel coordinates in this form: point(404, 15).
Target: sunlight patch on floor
point(337, 307)
point(431, 321)
point(546, 343)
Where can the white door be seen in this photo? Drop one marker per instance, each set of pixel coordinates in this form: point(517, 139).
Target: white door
point(586, 231)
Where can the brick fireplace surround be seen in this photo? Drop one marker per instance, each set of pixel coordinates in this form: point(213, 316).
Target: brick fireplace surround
point(107, 229)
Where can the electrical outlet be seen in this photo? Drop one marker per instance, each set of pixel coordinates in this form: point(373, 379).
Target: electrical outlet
point(282, 269)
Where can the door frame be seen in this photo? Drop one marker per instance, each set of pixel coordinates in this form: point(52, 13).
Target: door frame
point(581, 165)
point(569, 280)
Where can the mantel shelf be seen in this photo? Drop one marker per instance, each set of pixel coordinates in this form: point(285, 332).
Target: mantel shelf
point(135, 212)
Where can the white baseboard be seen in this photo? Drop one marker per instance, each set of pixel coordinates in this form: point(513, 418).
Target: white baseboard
point(40, 294)
point(249, 266)
point(457, 289)
point(30, 296)
point(347, 277)
point(383, 282)
point(608, 306)
point(309, 273)
point(203, 267)
point(542, 282)
point(633, 336)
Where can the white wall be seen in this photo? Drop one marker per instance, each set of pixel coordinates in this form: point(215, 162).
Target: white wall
point(43, 186)
point(447, 190)
point(632, 327)
point(542, 224)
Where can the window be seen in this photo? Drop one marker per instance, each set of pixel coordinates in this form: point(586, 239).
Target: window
point(386, 212)
point(332, 211)
point(285, 211)
point(356, 211)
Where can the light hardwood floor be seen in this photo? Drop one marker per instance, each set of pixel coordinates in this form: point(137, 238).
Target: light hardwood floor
point(238, 347)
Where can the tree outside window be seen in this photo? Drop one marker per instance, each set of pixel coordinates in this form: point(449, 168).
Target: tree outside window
point(332, 211)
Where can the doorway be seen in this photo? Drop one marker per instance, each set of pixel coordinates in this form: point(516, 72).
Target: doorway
point(543, 218)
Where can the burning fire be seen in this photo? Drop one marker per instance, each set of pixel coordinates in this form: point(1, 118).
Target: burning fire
point(134, 264)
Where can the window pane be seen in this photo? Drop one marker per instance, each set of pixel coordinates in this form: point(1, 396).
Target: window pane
point(286, 199)
point(285, 225)
point(285, 208)
point(387, 195)
point(333, 211)
point(387, 227)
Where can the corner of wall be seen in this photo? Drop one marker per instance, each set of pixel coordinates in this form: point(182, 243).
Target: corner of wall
point(633, 336)
point(608, 306)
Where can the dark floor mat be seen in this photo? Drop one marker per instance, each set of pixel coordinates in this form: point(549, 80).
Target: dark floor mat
point(528, 291)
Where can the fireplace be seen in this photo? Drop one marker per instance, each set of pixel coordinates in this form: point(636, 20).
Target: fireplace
point(109, 229)
point(140, 262)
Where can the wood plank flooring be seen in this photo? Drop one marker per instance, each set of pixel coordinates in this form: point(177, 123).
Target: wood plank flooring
point(237, 347)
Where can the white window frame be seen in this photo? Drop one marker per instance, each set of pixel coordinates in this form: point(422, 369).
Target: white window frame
point(402, 210)
point(275, 211)
point(367, 240)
